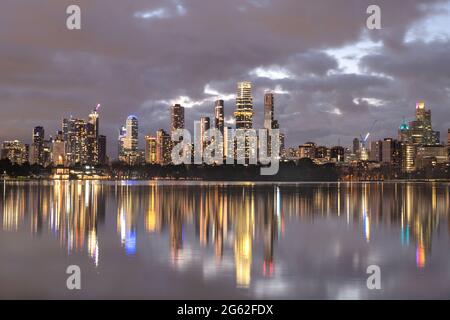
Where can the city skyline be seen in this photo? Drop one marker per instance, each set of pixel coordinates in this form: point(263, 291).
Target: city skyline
point(332, 80)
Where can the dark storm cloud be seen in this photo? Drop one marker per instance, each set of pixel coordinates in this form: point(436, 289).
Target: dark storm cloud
point(136, 57)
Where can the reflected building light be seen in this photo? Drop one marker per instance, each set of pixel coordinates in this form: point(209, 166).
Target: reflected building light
point(420, 256)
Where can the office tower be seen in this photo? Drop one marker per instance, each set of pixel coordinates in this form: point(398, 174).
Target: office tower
point(421, 130)
point(205, 125)
point(177, 117)
point(150, 150)
point(430, 155)
point(132, 134)
point(244, 106)
point(163, 147)
point(37, 146)
point(219, 115)
point(268, 110)
point(337, 154)
point(356, 146)
point(227, 132)
point(59, 150)
point(128, 141)
point(121, 144)
point(408, 157)
point(403, 132)
point(76, 143)
point(376, 151)
point(92, 128)
point(102, 157)
point(16, 151)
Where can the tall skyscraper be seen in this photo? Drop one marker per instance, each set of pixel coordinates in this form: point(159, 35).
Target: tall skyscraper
point(421, 130)
point(128, 141)
point(37, 146)
point(59, 150)
point(163, 147)
point(177, 117)
point(151, 149)
point(356, 146)
point(244, 106)
point(269, 111)
point(219, 115)
point(408, 157)
point(205, 125)
point(121, 143)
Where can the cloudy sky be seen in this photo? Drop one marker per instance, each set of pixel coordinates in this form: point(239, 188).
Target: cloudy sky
point(333, 77)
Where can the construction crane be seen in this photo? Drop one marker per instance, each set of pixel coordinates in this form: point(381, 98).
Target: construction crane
point(363, 140)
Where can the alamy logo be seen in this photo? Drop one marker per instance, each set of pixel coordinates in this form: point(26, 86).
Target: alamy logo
point(74, 280)
point(245, 146)
point(73, 21)
point(374, 20)
point(374, 280)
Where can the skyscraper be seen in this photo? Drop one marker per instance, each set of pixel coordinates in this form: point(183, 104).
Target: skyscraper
point(128, 141)
point(448, 143)
point(177, 117)
point(151, 149)
point(268, 111)
point(205, 125)
point(421, 130)
point(244, 106)
point(219, 115)
point(59, 150)
point(37, 146)
point(163, 147)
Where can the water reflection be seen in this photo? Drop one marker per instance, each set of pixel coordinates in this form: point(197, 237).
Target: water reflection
point(223, 218)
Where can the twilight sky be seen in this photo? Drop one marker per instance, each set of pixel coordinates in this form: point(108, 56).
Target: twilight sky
point(333, 77)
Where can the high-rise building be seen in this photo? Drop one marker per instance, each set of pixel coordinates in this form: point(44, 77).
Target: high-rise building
point(102, 155)
point(269, 112)
point(59, 150)
point(356, 146)
point(244, 106)
point(219, 115)
point(121, 143)
point(16, 151)
point(163, 147)
point(408, 157)
point(205, 125)
point(421, 130)
point(177, 117)
point(128, 141)
point(37, 146)
point(151, 149)
point(132, 134)
point(76, 143)
point(376, 151)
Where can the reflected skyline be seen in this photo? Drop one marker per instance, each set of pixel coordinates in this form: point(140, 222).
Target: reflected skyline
point(240, 227)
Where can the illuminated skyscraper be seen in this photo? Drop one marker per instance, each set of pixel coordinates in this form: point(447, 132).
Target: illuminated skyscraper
point(37, 146)
point(59, 150)
point(219, 115)
point(421, 131)
point(163, 147)
point(205, 125)
point(244, 106)
point(177, 117)
point(128, 141)
point(150, 150)
point(408, 157)
point(269, 111)
point(448, 143)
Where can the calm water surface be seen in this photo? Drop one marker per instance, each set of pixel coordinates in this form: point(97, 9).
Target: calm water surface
point(223, 240)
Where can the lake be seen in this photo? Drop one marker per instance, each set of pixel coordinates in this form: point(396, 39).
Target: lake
point(198, 240)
